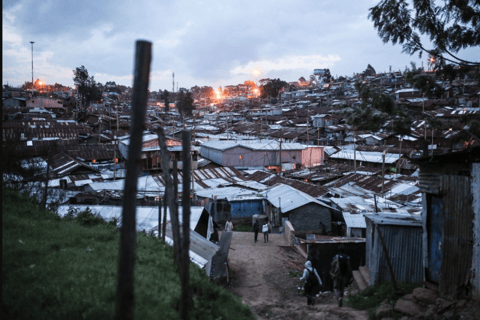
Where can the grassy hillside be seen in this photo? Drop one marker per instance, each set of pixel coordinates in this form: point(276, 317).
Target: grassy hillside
point(57, 268)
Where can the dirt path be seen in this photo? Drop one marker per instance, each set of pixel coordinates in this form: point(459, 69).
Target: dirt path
point(261, 274)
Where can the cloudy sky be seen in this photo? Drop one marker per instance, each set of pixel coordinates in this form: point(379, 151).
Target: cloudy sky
point(213, 43)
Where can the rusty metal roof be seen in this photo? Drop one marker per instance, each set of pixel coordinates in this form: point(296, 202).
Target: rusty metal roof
point(271, 179)
point(62, 165)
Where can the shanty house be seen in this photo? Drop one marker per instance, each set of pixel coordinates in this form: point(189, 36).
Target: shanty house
point(450, 185)
point(402, 237)
point(151, 159)
point(304, 212)
point(266, 153)
point(232, 202)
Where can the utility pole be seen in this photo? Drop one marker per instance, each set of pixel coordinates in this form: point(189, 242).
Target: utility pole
point(280, 160)
point(32, 65)
point(432, 141)
point(383, 169)
point(354, 155)
point(308, 138)
point(400, 155)
point(114, 163)
point(173, 82)
point(318, 137)
point(46, 181)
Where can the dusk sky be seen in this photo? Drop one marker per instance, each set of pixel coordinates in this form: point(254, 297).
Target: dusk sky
point(213, 43)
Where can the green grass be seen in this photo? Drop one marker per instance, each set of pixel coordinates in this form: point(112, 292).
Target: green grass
point(243, 228)
point(57, 268)
point(371, 298)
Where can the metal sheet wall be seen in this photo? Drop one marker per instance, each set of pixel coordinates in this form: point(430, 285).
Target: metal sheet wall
point(457, 245)
point(404, 245)
point(245, 209)
point(475, 186)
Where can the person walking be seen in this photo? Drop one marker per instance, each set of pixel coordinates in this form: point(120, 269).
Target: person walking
point(341, 273)
point(265, 231)
point(312, 282)
point(256, 227)
point(229, 226)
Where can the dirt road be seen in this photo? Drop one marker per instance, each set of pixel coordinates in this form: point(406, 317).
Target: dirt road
point(262, 275)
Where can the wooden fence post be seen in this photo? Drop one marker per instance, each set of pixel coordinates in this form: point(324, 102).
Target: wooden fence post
point(125, 288)
point(186, 141)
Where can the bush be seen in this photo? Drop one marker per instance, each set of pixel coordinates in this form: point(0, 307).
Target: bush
point(371, 298)
point(87, 217)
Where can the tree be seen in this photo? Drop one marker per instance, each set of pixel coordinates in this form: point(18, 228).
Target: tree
point(164, 96)
point(185, 103)
point(86, 86)
point(424, 83)
point(271, 88)
point(383, 103)
point(451, 25)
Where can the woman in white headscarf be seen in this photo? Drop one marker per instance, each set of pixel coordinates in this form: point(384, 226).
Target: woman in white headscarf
point(311, 278)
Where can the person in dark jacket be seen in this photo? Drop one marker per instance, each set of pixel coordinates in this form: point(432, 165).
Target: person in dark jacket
point(256, 227)
point(341, 273)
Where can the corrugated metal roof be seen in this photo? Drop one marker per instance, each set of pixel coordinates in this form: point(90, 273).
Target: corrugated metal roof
point(387, 218)
point(374, 157)
point(272, 179)
point(147, 217)
point(254, 145)
point(356, 220)
point(228, 193)
point(291, 198)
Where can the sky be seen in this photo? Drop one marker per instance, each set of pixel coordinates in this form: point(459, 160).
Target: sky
point(205, 43)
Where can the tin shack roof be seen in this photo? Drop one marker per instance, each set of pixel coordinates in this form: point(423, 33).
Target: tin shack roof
point(291, 198)
point(385, 218)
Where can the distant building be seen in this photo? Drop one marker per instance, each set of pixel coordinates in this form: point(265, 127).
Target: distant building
point(264, 153)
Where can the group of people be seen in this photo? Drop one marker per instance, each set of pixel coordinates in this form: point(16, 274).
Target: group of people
point(266, 228)
point(340, 271)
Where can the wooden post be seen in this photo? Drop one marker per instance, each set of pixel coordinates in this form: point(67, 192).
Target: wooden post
point(45, 193)
point(114, 163)
point(159, 217)
point(184, 301)
point(125, 288)
point(164, 224)
point(170, 193)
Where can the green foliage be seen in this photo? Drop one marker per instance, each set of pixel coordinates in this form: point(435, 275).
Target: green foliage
point(450, 25)
point(58, 269)
point(271, 87)
point(383, 103)
point(402, 126)
point(88, 88)
point(243, 228)
point(185, 103)
point(424, 83)
point(165, 97)
point(364, 118)
point(373, 296)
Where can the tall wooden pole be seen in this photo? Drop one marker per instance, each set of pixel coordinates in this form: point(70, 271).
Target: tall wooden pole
point(45, 193)
point(125, 288)
point(186, 141)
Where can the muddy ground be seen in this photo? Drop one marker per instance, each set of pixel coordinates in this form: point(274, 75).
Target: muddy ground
point(266, 277)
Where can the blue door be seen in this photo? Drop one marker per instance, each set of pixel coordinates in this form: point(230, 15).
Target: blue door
point(435, 236)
